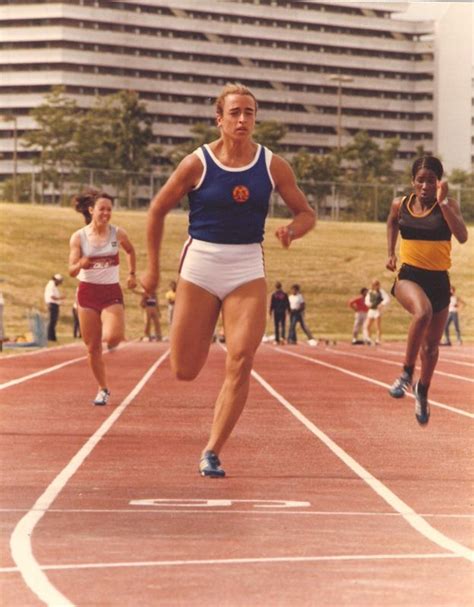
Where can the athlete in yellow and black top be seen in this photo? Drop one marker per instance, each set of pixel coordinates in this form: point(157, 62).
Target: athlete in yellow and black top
point(426, 220)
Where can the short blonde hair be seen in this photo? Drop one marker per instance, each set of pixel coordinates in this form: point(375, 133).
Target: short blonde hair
point(233, 88)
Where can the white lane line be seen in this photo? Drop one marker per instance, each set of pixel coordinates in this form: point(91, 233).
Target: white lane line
point(393, 362)
point(243, 561)
point(24, 378)
point(370, 380)
point(161, 510)
point(20, 380)
point(443, 358)
point(20, 541)
point(412, 518)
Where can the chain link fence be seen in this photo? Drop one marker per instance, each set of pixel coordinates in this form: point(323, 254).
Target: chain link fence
point(334, 200)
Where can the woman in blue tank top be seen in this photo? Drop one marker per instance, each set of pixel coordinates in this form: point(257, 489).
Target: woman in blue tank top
point(229, 183)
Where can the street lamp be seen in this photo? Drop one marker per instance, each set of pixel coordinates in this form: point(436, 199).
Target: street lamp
point(339, 79)
point(13, 118)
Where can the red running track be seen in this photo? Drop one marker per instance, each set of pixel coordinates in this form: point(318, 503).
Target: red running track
point(334, 495)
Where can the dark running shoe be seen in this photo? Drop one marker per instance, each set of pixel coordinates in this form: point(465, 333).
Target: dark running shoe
point(422, 406)
point(102, 397)
point(400, 386)
point(210, 465)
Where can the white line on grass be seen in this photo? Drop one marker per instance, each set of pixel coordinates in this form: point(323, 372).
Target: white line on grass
point(243, 561)
point(20, 541)
point(412, 518)
point(371, 380)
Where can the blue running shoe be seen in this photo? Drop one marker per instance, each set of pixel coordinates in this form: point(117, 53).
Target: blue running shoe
point(210, 465)
point(400, 386)
point(102, 397)
point(422, 406)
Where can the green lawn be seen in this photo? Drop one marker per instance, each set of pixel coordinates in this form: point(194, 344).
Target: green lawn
point(331, 264)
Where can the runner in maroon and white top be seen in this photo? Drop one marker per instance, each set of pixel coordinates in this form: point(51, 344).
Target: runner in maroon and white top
point(94, 259)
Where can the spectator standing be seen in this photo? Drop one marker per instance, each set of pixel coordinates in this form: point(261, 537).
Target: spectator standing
point(53, 298)
point(76, 330)
point(170, 297)
point(455, 304)
point(297, 310)
point(360, 314)
point(151, 314)
point(279, 306)
point(376, 300)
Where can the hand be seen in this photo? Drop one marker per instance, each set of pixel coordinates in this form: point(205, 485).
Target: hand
point(391, 263)
point(149, 281)
point(285, 235)
point(85, 263)
point(441, 191)
point(131, 281)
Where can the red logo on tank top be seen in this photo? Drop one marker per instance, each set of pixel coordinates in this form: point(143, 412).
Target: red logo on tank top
point(240, 194)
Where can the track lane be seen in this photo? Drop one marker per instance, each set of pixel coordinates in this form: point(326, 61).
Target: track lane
point(152, 451)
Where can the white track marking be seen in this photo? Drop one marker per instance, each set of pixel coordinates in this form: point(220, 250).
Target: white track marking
point(266, 513)
point(20, 541)
point(443, 358)
point(243, 561)
point(20, 380)
point(24, 378)
point(393, 362)
point(371, 380)
point(411, 517)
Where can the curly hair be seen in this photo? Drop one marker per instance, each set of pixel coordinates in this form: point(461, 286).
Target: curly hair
point(87, 199)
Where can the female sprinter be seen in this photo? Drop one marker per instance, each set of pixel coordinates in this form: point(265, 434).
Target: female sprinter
point(94, 259)
point(426, 220)
point(228, 183)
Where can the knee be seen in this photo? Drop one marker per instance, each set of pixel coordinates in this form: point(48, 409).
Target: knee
point(94, 348)
point(184, 372)
point(240, 363)
point(114, 341)
point(423, 315)
point(430, 350)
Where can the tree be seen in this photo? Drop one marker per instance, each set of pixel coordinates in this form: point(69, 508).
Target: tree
point(269, 133)
point(317, 173)
point(201, 133)
point(368, 167)
point(56, 122)
point(116, 135)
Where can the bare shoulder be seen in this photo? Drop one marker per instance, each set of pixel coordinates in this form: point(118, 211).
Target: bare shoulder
point(189, 170)
point(75, 238)
point(281, 169)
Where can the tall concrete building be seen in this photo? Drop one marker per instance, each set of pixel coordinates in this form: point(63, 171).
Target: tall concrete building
point(325, 69)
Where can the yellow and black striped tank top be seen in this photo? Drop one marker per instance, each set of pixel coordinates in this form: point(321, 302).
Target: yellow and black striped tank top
point(425, 239)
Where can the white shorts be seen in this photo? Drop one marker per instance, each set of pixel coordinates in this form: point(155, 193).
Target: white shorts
point(373, 314)
point(221, 268)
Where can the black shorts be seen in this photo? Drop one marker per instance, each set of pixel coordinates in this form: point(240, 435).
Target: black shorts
point(434, 283)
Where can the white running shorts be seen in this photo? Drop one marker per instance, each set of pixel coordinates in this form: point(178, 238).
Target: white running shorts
point(221, 268)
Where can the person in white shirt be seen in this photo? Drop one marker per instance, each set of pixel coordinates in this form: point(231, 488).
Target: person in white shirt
point(376, 300)
point(297, 307)
point(53, 298)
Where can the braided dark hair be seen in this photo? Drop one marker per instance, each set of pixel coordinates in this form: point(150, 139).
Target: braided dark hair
point(86, 199)
point(428, 162)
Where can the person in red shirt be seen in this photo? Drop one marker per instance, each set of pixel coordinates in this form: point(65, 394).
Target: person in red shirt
point(360, 314)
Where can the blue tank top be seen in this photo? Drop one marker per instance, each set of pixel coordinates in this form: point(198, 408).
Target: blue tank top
point(229, 205)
